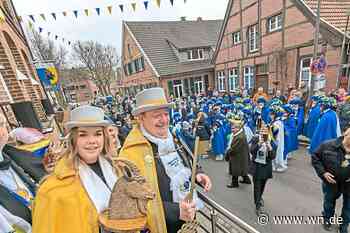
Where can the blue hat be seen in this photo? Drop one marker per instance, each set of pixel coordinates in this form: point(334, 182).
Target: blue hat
point(261, 99)
point(190, 116)
point(288, 108)
point(296, 101)
point(315, 98)
point(278, 110)
point(247, 101)
point(210, 102)
point(176, 115)
point(276, 101)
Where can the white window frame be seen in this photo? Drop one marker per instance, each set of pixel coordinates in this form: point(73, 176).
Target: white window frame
point(199, 85)
point(248, 77)
point(180, 86)
point(253, 36)
point(275, 23)
point(233, 79)
point(305, 69)
point(236, 37)
point(221, 81)
point(200, 53)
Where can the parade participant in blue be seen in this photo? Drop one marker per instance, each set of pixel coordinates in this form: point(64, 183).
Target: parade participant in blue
point(328, 127)
point(290, 131)
point(279, 164)
point(237, 153)
point(217, 115)
point(313, 117)
point(248, 117)
point(261, 114)
point(298, 107)
point(207, 107)
point(344, 113)
point(218, 141)
point(16, 191)
point(187, 135)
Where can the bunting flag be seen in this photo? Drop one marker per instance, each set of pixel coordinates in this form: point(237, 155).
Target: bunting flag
point(75, 13)
point(109, 9)
point(43, 17)
point(133, 6)
point(98, 11)
point(32, 18)
point(146, 4)
point(64, 13)
point(56, 37)
point(172, 2)
point(86, 12)
point(53, 15)
point(121, 8)
point(40, 29)
point(158, 3)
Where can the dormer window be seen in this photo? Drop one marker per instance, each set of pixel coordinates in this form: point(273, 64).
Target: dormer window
point(195, 54)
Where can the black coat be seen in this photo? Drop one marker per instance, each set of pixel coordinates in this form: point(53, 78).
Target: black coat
point(257, 170)
point(8, 201)
point(31, 165)
point(238, 155)
point(203, 131)
point(329, 157)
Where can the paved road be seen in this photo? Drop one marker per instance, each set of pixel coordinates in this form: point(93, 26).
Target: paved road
point(296, 192)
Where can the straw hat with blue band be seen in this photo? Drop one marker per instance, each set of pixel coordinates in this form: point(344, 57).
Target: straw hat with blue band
point(150, 99)
point(86, 116)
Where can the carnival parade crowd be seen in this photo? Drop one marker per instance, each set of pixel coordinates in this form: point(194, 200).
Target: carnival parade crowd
point(255, 134)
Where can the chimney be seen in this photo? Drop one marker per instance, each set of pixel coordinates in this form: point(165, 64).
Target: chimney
point(183, 18)
point(199, 19)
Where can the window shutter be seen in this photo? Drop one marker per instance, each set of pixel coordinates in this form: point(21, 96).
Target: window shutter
point(187, 91)
point(170, 88)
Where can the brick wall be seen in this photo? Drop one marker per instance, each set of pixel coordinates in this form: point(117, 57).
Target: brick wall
point(298, 38)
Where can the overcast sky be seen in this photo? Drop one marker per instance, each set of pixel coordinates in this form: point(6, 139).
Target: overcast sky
point(107, 28)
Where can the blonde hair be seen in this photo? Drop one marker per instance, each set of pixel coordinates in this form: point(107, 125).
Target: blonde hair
point(71, 152)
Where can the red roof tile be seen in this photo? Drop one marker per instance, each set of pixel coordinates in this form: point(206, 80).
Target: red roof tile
point(332, 11)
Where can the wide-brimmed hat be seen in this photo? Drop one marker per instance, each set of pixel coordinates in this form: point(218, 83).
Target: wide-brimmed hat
point(86, 116)
point(150, 99)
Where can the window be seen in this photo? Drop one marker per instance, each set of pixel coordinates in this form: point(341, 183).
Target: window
point(233, 79)
point(253, 36)
point(195, 54)
point(221, 80)
point(198, 85)
point(274, 23)
point(248, 77)
point(137, 65)
point(236, 36)
point(305, 72)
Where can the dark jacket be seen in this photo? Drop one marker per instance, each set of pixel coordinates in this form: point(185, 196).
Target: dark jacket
point(329, 157)
point(258, 170)
point(8, 200)
point(238, 155)
point(203, 131)
point(171, 209)
point(31, 165)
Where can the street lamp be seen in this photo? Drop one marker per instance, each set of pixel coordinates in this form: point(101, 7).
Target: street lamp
point(342, 50)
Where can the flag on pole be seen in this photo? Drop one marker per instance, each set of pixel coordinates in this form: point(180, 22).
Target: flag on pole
point(40, 29)
point(64, 13)
point(98, 11)
point(172, 2)
point(121, 7)
point(75, 13)
point(133, 5)
point(86, 12)
point(53, 15)
point(43, 17)
point(109, 9)
point(158, 3)
point(146, 4)
point(32, 18)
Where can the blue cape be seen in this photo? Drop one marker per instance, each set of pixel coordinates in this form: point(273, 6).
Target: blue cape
point(290, 135)
point(325, 130)
point(312, 121)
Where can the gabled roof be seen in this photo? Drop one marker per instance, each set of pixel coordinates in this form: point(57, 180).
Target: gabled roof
point(332, 11)
point(155, 37)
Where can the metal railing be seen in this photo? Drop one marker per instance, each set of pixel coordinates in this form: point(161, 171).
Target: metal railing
point(214, 218)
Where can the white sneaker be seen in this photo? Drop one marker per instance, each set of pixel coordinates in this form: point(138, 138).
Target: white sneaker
point(281, 169)
point(204, 156)
point(219, 158)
